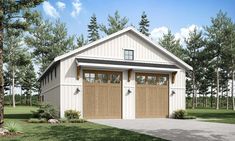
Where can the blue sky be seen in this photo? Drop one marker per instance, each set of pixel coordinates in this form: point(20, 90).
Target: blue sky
point(180, 16)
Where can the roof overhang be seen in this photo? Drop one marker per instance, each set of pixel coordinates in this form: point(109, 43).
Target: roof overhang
point(124, 65)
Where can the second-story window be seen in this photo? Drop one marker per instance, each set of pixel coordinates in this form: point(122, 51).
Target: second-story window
point(128, 54)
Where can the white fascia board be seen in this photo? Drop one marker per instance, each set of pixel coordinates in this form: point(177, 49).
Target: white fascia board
point(111, 36)
point(124, 67)
point(85, 47)
point(162, 49)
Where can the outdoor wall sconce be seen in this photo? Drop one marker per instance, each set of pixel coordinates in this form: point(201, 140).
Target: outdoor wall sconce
point(172, 92)
point(77, 90)
point(128, 91)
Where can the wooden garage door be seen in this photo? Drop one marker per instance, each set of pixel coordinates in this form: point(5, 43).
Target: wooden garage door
point(102, 94)
point(151, 95)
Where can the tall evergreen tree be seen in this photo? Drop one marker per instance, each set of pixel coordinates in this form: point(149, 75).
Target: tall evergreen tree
point(28, 80)
point(48, 40)
point(194, 46)
point(13, 15)
point(14, 56)
point(228, 57)
point(169, 42)
point(93, 33)
point(81, 41)
point(144, 24)
point(115, 23)
point(217, 36)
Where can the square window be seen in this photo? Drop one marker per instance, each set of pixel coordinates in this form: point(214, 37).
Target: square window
point(128, 54)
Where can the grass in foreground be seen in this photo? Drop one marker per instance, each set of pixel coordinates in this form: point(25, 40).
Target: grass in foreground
point(66, 131)
point(212, 115)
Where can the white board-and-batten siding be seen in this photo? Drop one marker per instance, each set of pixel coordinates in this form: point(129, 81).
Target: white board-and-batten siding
point(51, 89)
point(113, 49)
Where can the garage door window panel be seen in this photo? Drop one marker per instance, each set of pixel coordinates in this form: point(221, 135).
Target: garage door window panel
point(162, 80)
point(89, 77)
point(115, 78)
point(140, 79)
point(152, 80)
point(102, 78)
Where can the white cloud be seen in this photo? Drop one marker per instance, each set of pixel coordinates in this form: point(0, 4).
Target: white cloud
point(50, 10)
point(184, 32)
point(60, 5)
point(157, 33)
point(77, 6)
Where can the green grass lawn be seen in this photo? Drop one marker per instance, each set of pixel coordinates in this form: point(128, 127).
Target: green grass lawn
point(66, 131)
point(212, 115)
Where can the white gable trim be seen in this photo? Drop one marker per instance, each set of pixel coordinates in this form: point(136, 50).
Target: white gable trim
point(111, 36)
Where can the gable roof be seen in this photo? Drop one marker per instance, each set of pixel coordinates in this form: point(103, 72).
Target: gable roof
point(58, 58)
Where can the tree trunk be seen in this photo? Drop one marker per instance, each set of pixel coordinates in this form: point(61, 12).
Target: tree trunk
point(193, 100)
point(227, 97)
point(30, 98)
point(221, 99)
point(217, 93)
point(232, 91)
point(211, 97)
point(13, 87)
point(20, 95)
point(25, 100)
point(1, 73)
point(206, 101)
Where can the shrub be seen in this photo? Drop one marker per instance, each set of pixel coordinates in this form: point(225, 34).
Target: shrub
point(63, 120)
point(179, 114)
point(46, 111)
point(77, 120)
point(72, 114)
point(36, 120)
point(12, 127)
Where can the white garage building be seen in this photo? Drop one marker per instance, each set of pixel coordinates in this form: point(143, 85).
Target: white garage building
point(124, 76)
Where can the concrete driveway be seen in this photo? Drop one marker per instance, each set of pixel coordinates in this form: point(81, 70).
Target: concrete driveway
point(177, 130)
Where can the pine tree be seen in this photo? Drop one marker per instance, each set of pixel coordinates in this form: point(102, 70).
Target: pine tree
point(193, 45)
point(169, 42)
point(115, 23)
point(12, 57)
point(28, 80)
point(10, 10)
point(81, 41)
point(144, 24)
point(217, 36)
point(48, 41)
point(93, 33)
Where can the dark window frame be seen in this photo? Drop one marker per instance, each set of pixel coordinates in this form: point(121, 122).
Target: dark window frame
point(55, 71)
point(51, 74)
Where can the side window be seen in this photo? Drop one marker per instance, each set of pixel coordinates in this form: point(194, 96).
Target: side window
point(115, 78)
point(140, 79)
point(89, 77)
point(55, 72)
point(51, 74)
point(128, 54)
point(102, 78)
